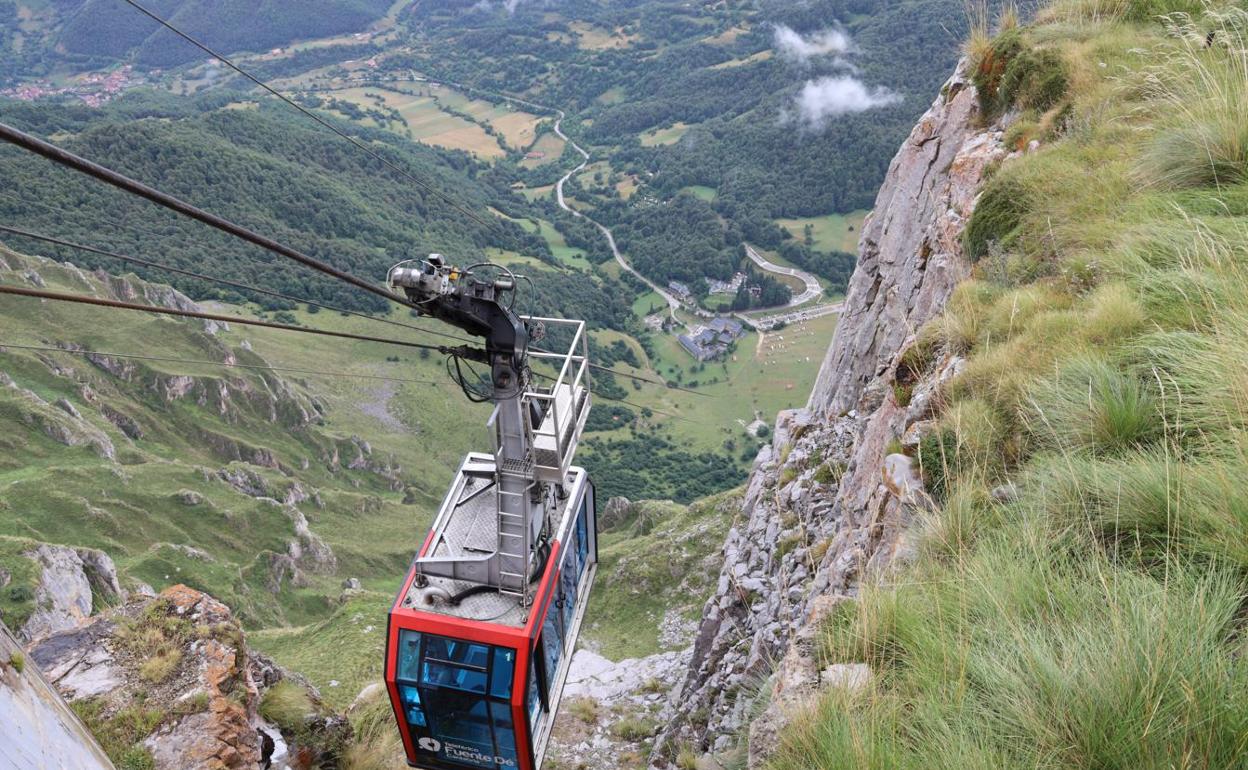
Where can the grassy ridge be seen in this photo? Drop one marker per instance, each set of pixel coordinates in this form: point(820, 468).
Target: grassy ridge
point(164, 493)
point(1094, 621)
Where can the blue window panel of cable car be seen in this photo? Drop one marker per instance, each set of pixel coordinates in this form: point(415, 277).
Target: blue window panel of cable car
point(534, 699)
point(411, 706)
point(567, 592)
point(504, 732)
point(582, 531)
point(455, 663)
point(502, 672)
point(572, 558)
point(409, 654)
point(552, 643)
point(464, 719)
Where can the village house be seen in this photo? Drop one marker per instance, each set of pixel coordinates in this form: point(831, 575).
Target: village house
point(713, 340)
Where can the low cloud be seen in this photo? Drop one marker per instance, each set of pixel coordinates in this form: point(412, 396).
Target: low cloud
point(823, 99)
point(793, 46)
point(488, 5)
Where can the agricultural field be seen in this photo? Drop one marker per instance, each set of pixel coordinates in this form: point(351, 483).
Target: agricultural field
point(648, 304)
point(769, 372)
point(568, 255)
point(593, 38)
point(660, 136)
point(703, 192)
point(551, 148)
point(760, 56)
point(534, 193)
point(834, 232)
point(614, 95)
point(728, 36)
point(427, 121)
point(627, 186)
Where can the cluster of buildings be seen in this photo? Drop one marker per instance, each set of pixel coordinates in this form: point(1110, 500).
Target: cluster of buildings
point(716, 286)
point(726, 287)
point(680, 291)
point(713, 340)
point(94, 88)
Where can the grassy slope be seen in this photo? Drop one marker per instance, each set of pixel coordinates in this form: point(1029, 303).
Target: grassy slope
point(1096, 621)
point(130, 509)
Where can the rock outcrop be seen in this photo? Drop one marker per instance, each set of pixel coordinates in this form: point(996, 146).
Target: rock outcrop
point(175, 667)
point(72, 581)
point(180, 658)
point(826, 506)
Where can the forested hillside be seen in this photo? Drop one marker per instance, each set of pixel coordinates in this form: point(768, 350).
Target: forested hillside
point(265, 168)
point(714, 95)
point(94, 33)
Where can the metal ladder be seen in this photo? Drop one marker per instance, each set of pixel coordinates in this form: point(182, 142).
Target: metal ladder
point(513, 468)
point(513, 531)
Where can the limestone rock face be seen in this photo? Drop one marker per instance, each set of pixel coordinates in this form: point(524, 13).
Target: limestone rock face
point(827, 506)
point(910, 252)
point(69, 579)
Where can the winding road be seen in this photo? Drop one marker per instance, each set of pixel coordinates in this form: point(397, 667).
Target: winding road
point(813, 289)
point(792, 314)
point(673, 303)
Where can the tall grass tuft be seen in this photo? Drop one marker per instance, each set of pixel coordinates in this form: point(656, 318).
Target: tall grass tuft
point(1033, 652)
point(1202, 85)
point(1091, 405)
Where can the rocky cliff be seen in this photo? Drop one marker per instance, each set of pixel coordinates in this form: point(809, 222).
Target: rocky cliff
point(829, 503)
point(37, 727)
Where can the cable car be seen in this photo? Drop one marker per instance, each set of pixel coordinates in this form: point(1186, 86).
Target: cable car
point(481, 635)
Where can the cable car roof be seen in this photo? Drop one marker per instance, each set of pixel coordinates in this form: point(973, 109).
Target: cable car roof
point(466, 524)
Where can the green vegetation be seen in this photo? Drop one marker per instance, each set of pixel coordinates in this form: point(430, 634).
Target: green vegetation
point(120, 734)
point(833, 232)
point(17, 661)
point(377, 745)
point(1093, 617)
point(168, 511)
point(702, 117)
point(287, 705)
point(90, 33)
point(346, 647)
point(658, 560)
point(271, 170)
point(17, 599)
point(633, 728)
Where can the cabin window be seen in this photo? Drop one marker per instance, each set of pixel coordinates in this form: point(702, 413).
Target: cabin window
point(567, 590)
point(409, 654)
point(582, 531)
point(458, 693)
point(552, 644)
point(411, 706)
point(534, 697)
point(453, 663)
point(502, 672)
point(504, 732)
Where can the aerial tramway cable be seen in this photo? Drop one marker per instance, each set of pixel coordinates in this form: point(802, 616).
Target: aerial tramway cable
point(221, 281)
point(197, 362)
point(120, 181)
point(462, 351)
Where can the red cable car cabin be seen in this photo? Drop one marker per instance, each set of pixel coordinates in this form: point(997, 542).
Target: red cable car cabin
point(476, 683)
point(481, 636)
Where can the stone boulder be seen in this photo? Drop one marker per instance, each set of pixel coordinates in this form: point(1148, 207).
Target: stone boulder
point(71, 581)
